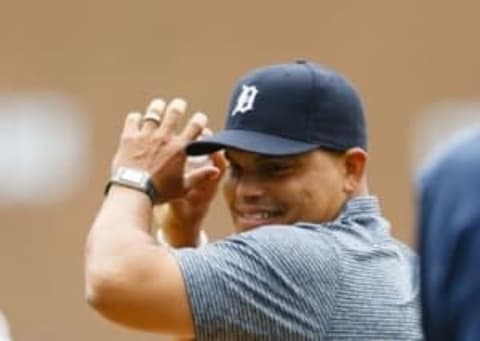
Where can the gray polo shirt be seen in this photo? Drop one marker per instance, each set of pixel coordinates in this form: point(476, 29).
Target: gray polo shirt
point(344, 280)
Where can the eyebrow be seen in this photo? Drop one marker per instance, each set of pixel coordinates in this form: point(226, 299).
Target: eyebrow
point(268, 158)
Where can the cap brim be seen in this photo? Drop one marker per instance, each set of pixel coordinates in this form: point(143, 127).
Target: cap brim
point(249, 141)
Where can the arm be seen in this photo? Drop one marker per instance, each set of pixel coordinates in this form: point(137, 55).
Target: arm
point(171, 230)
point(130, 279)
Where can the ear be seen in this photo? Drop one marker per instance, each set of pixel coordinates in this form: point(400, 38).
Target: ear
point(355, 161)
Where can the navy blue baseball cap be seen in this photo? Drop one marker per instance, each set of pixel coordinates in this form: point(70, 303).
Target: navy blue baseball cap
point(290, 109)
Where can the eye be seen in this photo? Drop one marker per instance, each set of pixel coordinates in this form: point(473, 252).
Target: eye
point(235, 170)
point(277, 168)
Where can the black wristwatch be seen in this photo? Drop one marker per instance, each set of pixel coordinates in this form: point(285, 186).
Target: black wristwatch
point(135, 179)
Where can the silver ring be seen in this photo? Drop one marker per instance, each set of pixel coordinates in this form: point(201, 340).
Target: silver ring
point(151, 116)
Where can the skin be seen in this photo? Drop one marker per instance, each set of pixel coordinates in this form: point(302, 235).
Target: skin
point(134, 281)
point(181, 219)
point(262, 190)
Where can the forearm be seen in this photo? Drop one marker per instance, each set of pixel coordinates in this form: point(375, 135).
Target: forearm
point(119, 240)
point(129, 278)
point(124, 211)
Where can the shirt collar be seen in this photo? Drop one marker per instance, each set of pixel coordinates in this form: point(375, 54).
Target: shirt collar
point(361, 205)
point(367, 204)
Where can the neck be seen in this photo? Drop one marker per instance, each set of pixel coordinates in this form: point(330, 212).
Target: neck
point(361, 190)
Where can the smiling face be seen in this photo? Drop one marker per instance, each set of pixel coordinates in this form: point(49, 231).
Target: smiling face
point(264, 190)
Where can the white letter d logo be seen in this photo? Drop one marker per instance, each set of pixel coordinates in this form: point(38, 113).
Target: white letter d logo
point(245, 100)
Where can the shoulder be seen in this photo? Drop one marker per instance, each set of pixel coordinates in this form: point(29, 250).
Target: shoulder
point(280, 275)
point(279, 232)
point(280, 238)
point(457, 159)
point(287, 247)
point(290, 249)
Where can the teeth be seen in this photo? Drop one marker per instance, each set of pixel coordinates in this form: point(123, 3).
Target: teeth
point(258, 215)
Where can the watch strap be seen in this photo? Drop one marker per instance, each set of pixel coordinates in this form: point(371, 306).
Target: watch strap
point(140, 182)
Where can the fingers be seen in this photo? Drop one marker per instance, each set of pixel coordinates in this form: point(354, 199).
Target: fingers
point(219, 161)
point(194, 162)
point(197, 177)
point(206, 132)
point(175, 110)
point(132, 123)
point(153, 115)
point(194, 127)
point(162, 119)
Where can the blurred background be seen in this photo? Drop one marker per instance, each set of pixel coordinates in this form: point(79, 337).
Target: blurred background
point(71, 70)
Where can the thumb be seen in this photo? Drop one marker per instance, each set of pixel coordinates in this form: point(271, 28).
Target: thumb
point(199, 176)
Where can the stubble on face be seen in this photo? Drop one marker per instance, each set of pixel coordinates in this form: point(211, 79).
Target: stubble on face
point(265, 190)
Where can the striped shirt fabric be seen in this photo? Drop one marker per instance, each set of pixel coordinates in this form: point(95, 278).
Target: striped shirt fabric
point(344, 280)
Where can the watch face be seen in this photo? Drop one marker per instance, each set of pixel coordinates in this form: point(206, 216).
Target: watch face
point(133, 176)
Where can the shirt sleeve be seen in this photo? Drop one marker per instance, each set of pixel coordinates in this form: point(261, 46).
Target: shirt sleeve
point(262, 284)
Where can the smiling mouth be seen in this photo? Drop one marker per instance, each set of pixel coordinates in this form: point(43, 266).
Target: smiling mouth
point(258, 215)
point(247, 220)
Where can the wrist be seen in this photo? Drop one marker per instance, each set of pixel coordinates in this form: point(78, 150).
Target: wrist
point(175, 230)
point(134, 179)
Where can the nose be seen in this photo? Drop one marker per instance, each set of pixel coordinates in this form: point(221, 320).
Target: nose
point(249, 188)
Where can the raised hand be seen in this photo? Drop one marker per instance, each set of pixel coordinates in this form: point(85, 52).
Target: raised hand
point(181, 219)
point(150, 143)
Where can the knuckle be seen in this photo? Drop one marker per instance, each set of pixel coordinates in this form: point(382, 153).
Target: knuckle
point(177, 143)
point(161, 140)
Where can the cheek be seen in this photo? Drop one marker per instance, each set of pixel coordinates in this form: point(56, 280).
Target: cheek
point(293, 195)
point(316, 194)
point(309, 199)
point(229, 191)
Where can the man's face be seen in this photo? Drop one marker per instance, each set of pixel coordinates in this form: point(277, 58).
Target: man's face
point(264, 190)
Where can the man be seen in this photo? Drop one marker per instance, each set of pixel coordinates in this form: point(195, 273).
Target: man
point(313, 258)
point(450, 241)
